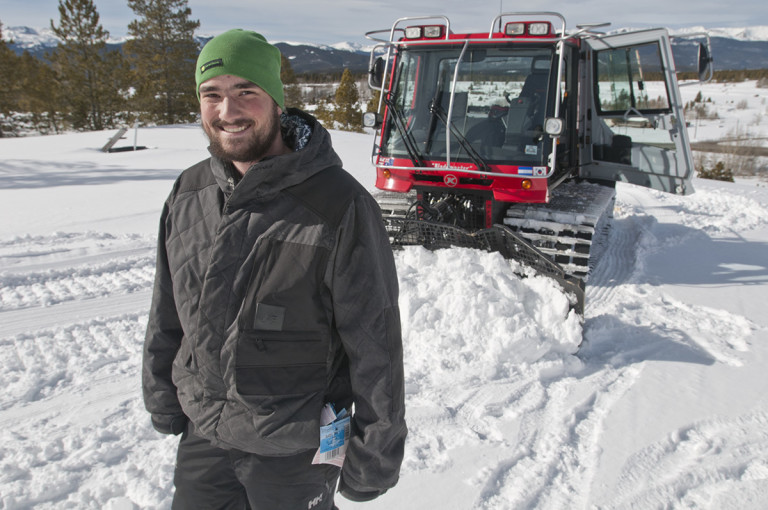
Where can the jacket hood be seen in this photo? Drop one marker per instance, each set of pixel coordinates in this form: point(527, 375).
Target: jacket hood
point(268, 177)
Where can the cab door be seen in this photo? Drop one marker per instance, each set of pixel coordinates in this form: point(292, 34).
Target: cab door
point(633, 129)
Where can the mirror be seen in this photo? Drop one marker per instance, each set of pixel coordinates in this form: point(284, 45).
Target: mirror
point(376, 73)
point(705, 63)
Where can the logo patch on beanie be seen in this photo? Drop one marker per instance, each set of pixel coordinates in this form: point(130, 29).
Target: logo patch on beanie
point(210, 65)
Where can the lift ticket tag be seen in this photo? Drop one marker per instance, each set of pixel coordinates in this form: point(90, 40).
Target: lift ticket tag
point(334, 436)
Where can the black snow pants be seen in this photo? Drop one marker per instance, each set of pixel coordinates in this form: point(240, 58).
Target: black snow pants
point(209, 478)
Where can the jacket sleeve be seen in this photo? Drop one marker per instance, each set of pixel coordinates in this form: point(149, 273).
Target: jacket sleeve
point(365, 297)
point(162, 341)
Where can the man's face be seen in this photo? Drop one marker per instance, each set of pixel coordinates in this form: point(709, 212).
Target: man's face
point(241, 120)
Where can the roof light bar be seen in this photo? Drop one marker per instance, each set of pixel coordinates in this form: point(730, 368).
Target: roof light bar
point(424, 32)
point(528, 28)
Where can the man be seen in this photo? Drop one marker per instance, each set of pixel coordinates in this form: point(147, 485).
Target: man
point(275, 294)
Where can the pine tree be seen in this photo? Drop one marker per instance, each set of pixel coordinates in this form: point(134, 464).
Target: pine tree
point(87, 73)
point(290, 83)
point(162, 53)
point(8, 89)
point(347, 113)
point(373, 103)
point(323, 114)
point(37, 97)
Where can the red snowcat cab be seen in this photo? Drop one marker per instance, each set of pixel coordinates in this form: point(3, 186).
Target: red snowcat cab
point(513, 139)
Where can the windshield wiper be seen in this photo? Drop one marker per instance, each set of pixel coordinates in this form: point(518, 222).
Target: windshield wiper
point(437, 111)
point(410, 144)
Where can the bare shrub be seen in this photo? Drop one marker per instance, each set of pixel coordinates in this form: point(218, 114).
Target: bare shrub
point(741, 153)
point(700, 111)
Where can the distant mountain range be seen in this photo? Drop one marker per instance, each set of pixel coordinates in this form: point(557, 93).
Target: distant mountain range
point(304, 58)
point(732, 48)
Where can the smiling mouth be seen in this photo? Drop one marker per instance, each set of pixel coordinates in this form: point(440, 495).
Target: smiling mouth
point(234, 129)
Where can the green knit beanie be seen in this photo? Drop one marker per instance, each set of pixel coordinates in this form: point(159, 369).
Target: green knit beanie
point(244, 54)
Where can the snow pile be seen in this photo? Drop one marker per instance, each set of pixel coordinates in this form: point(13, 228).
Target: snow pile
point(471, 313)
point(469, 322)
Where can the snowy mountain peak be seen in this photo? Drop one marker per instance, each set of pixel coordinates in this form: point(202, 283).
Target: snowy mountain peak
point(28, 38)
point(756, 33)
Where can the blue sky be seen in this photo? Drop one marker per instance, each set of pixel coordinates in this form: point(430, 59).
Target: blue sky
point(332, 21)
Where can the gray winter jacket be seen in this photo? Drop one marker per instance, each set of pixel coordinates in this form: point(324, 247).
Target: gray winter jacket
point(273, 297)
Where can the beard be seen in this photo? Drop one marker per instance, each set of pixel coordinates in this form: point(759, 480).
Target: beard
point(248, 150)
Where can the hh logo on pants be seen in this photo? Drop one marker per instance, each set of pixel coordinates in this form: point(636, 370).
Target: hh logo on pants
point(315, 502)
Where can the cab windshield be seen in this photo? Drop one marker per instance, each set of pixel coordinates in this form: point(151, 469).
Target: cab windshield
point(497, 113)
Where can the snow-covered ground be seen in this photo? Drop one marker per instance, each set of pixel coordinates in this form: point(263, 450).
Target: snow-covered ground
point(734, 113)
point(664, 405)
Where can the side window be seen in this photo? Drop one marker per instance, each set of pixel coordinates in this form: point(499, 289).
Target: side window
point(631, 78)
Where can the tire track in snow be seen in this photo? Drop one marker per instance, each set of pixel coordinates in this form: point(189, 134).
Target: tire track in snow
point(28, 320)
point(558, 452)
point(630, 318)
point(619, 258)
point(630, 322)
point(557, 448)
point(70, 411)
point(51, 356)
point(41, 364)
point(69, 267)
point(71, 403)
point(717, 463)
point(34, 253)
point(97, 291)
point(59, 453)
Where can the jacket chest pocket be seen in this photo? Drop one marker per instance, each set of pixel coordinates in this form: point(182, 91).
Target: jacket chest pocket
point(272, 363)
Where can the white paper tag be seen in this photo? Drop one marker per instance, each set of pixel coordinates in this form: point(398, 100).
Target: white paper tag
point(334, 436)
